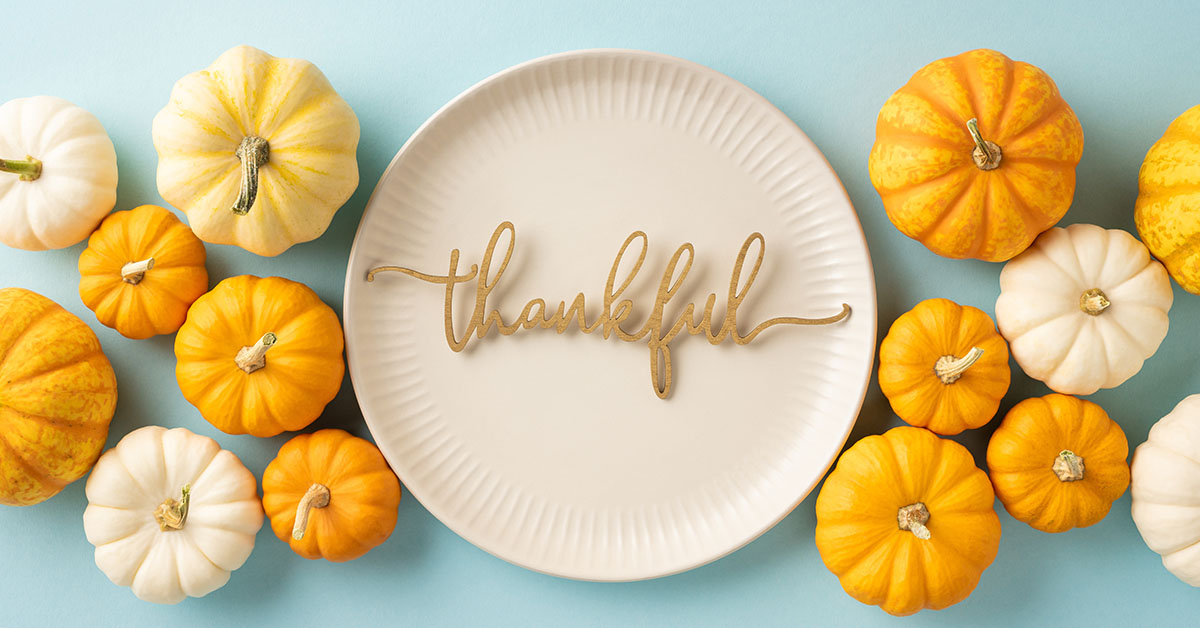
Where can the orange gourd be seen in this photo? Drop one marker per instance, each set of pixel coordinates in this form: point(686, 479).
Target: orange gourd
point(906, 521)
point(1167, 211)
point(259, 356)
point(975, 156)
point(943, 366)
point(57, 401)
point(141, 271)
point(1058, 462)
point(330, 495)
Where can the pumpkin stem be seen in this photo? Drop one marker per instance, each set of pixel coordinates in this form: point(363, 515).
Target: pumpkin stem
point(29, 169)
point(133, 272)
point(172, 513)
point(949, 368)
point(913, 518)
point(252, 358)
point(254, 151)
point(1068, 466)
point(317, 496)
point(1093, 302)
point(986, 154)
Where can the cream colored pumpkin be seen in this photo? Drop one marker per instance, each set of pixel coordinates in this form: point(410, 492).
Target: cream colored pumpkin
point(171, 514)
point(259, 152)
point(1083, 308)
point(1166, 490)
point(58, 173)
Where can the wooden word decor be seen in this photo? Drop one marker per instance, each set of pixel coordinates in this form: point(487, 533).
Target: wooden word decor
point(537, 314)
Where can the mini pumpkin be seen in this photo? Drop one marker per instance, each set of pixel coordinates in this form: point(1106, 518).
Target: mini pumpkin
point(141, 271)
point(944, 367)
point(330, 495)
point(259, 152)
point(1168, 203)
point(1083, 308)
point(1166, 490)
point(171, 514)
point(1058, 462)
point(906, 521)
point(58, 173)
point(975, 156)
point(58, 397)
point(259, 355)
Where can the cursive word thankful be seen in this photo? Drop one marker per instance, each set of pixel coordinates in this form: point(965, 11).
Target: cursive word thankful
point(536, 312)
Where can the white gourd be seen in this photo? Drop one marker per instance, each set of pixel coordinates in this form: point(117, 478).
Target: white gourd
point(1166, 490)
point(171, 514)
point(58, 173)
point(1083, 308)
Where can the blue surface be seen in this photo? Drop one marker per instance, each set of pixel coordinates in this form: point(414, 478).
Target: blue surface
point(1126, 71)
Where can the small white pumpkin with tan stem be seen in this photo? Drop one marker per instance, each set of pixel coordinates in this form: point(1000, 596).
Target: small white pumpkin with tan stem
point(259, 152)
point(58, 173)
point(1083, 308)
point(171, 514)
point(1166, 490)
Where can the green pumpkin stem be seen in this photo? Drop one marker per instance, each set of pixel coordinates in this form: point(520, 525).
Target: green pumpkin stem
point(987, 154)
point(28, 169)
point(172, 513)
point(254, 152)
point(254, 357)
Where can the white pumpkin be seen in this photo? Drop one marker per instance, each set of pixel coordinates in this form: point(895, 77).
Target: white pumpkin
point(1166, 490)
point(260, 152)
point(58, 173)
point(1083, 308)
point(171, 514)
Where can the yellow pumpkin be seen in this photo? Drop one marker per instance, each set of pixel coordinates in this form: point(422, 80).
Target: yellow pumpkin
point(57, 401)
point(259, 152)
point(1168, 203)
point(1058, 462)
point(259, 356)
point(975, 156)
point(943, 366)
point(141, 271)
point(330, 495)
point(906, 521)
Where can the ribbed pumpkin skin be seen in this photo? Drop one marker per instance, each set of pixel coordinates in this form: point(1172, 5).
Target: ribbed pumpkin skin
point(921, 162)
point(364, 495)
point(158, 303)
point(911, 350)
point(879, 563)
point(58, 397)
point(1021, 454)
point(1168, 204)
point(303, 369)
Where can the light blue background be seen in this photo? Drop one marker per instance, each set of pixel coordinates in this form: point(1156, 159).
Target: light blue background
point(1126, 71)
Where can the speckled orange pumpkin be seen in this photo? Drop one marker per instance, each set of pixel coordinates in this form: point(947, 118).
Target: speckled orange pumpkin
point(58, 397)
point(1168, 203)
point(975, 156)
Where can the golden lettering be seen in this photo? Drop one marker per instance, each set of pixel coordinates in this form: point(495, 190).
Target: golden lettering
point(536, 312)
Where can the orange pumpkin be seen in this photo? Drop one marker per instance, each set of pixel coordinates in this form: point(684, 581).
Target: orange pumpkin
point(330, 495)
point(975, 156)
point(58, 397)
point(141, 271)
point(906, 521)
point(259, 356)
point(1058, 462)
point(1167, 211)
point(943, 366)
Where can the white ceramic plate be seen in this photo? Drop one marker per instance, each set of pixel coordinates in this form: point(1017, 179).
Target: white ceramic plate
point(552, 451)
